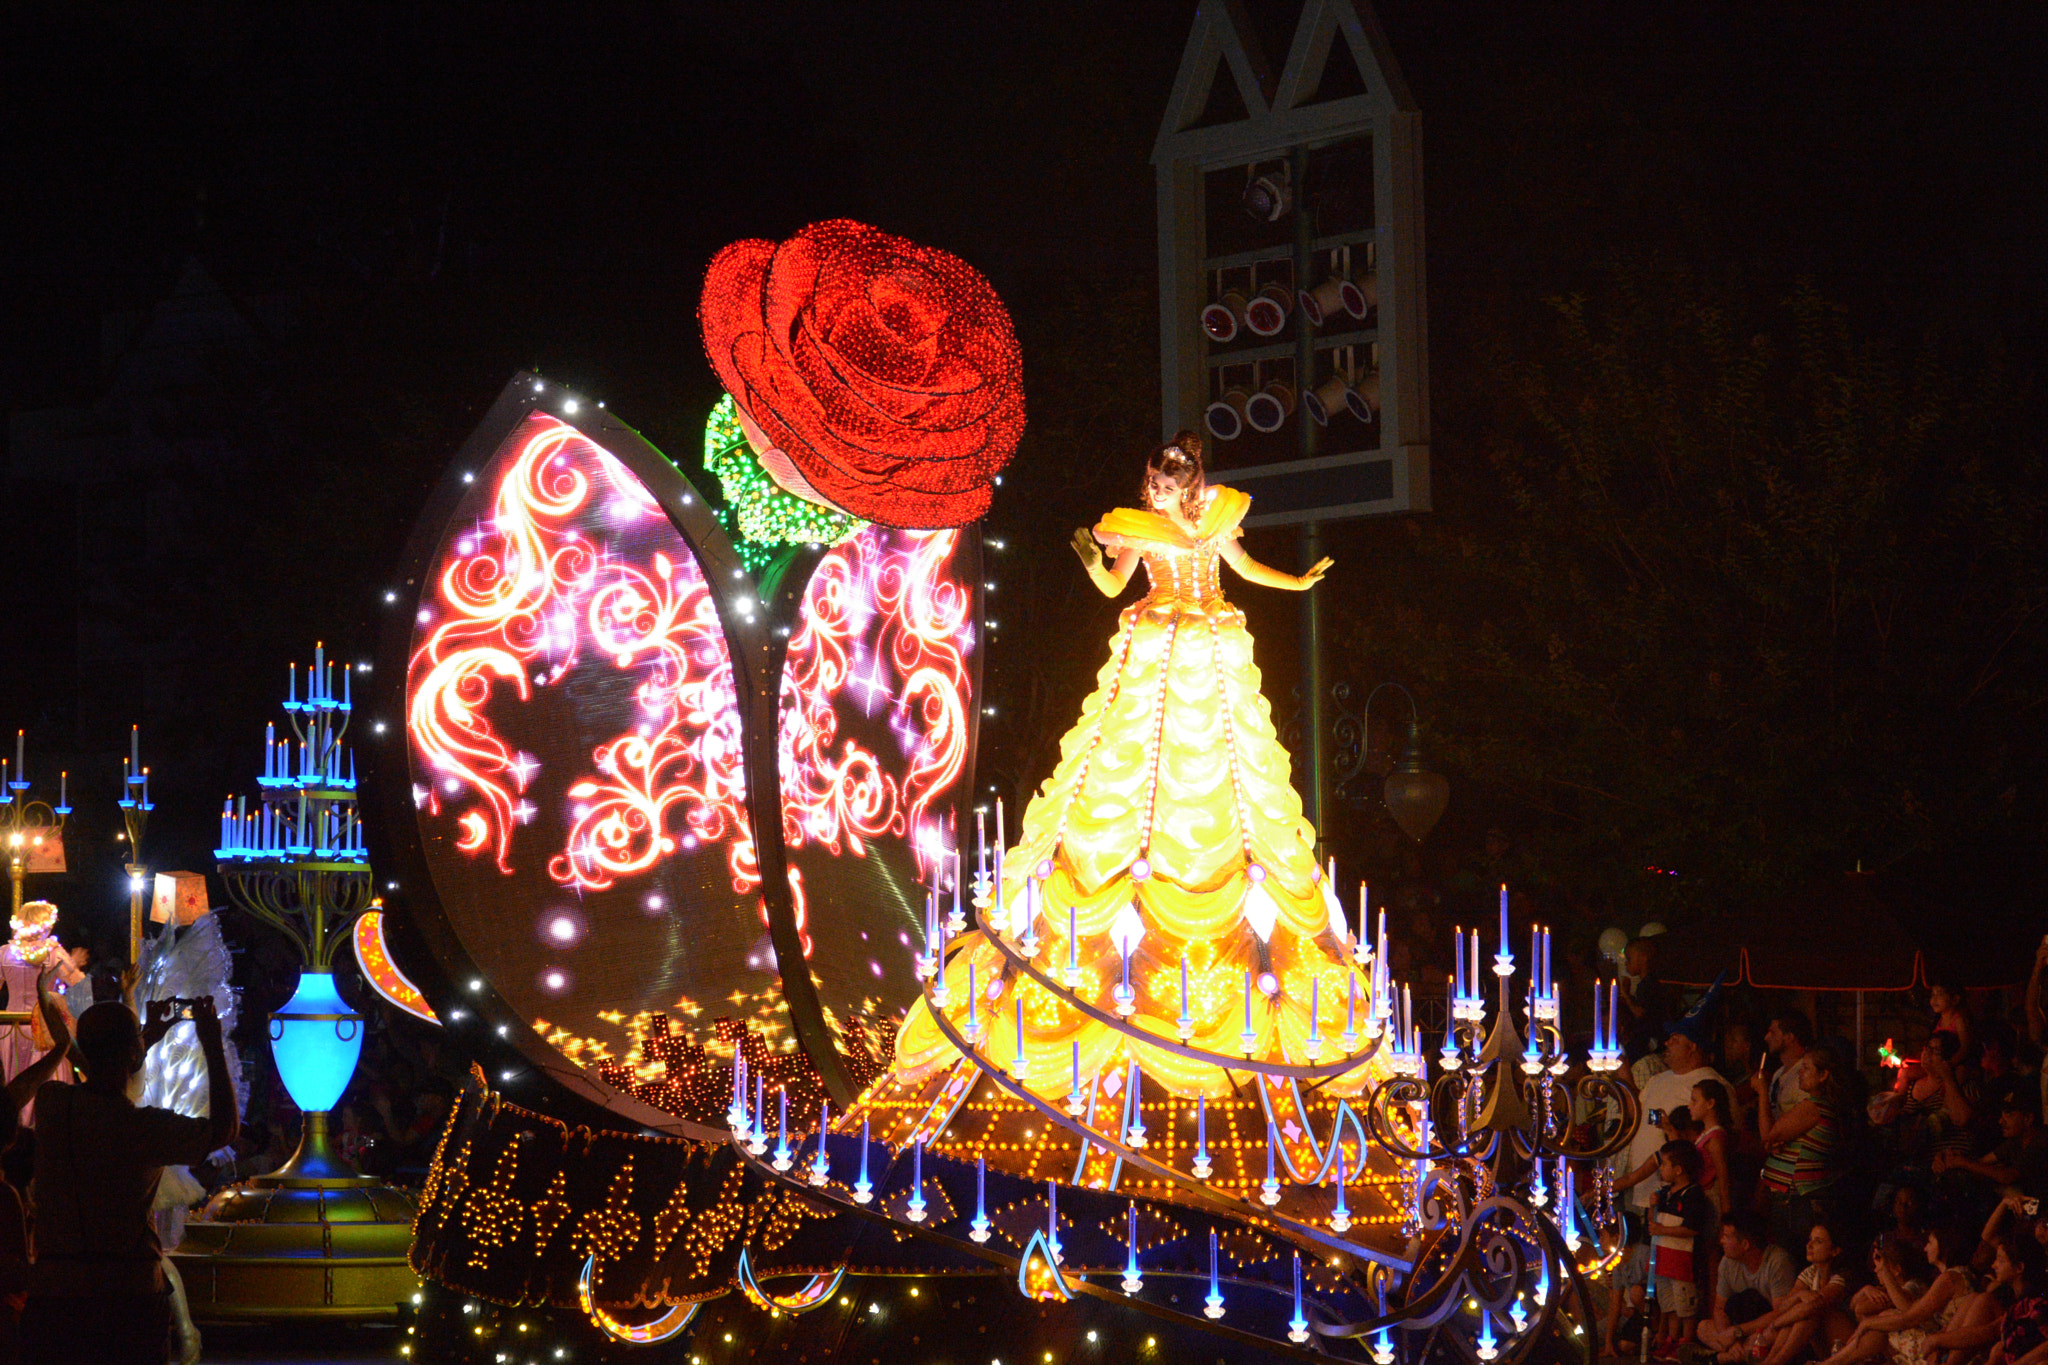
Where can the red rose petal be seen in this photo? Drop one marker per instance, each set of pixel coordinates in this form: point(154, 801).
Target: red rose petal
point(887, 372)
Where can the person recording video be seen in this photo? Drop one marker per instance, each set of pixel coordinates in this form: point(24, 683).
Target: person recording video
point(97, 1289)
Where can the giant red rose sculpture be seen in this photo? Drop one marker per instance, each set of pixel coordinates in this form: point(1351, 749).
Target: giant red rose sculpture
point(873, 374)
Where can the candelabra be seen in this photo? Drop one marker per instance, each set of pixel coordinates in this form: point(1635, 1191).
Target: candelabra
point(1496, 1146)
point(32, 831)
point(295, 860)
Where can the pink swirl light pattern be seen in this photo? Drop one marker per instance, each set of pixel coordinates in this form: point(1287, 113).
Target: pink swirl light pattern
point(885, 627)
point(523, 596)
point(686, 755)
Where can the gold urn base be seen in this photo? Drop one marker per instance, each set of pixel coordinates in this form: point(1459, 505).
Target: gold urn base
point(312, 1239)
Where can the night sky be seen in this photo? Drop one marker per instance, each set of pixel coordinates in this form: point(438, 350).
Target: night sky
point(401, 204)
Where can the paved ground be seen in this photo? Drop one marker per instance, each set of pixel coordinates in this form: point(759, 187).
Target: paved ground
point(298, 1344)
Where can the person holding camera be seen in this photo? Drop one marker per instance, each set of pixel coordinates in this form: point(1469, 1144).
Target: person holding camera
point(97, 1289)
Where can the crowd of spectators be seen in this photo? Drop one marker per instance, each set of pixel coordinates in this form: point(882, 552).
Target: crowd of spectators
point(83, 1225)
point(1785, 1205)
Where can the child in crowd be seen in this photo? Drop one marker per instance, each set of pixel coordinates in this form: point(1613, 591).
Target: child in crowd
point(1678, 1223)
point(1805, 1317)
point(1677, 1126)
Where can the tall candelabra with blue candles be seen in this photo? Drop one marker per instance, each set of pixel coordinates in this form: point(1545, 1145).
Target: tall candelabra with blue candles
point(294, 859)
point(313, 1239)
point(28, 827)
point(1498, 1128)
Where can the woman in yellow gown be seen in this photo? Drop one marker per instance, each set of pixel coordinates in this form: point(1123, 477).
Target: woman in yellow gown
point(1168, 846)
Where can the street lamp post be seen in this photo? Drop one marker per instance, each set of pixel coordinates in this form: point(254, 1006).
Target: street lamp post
point(1413, 796)
point(135, 808)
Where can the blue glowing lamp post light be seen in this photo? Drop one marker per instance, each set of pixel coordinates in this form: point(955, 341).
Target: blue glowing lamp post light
point(295, 860)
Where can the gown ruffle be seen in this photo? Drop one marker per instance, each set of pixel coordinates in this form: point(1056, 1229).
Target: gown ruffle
point(1170, 820)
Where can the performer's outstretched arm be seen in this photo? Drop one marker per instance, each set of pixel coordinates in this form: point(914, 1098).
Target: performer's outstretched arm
point(1251, 571)
point(1109, 578)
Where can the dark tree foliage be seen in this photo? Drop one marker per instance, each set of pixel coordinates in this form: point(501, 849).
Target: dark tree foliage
point(1749, 596)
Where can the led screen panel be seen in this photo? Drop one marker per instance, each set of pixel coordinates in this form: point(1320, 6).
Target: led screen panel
point(875, 734)
point(574, 743)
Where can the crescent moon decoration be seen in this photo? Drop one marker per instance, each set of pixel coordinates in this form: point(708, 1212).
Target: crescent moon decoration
point(374, 957)
point(817, 1290)
point(633, 1333)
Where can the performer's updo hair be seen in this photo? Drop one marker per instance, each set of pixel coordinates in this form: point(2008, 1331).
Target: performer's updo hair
point(1180, 461)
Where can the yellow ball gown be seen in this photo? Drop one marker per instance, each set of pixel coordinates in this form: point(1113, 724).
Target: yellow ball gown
point(1168, 828)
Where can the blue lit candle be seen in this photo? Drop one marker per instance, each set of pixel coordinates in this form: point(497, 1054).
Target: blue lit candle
point(1132, 1281)
point(782, 1161)
point(821, 1163)
point(1000, 921)
point(1340, 1219)
point(1297, 1326)
point(1248, 1038)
